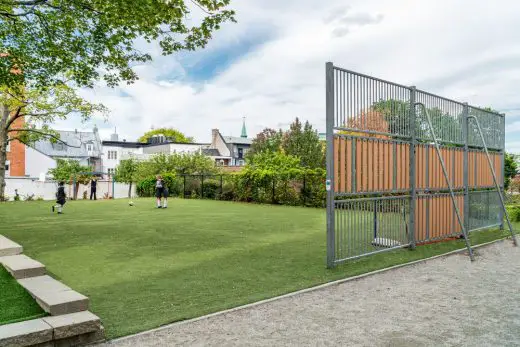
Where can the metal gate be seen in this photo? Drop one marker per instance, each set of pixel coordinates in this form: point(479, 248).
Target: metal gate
point(406, 167)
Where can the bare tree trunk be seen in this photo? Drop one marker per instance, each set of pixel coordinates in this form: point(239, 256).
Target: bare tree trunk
point(130, 191)
point(4, 115)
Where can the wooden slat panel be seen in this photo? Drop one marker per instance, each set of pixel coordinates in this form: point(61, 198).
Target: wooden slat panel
point(370, 166)
point(359, 148)
point(348, 167)
point(389, 166)
point(336, 164)
point(364, 177)
point(342, 166)
point(380, 165)
point(406, 166)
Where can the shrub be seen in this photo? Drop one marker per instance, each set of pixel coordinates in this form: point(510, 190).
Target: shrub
point(39, 198)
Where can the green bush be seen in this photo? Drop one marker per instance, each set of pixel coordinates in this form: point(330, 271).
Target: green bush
point(514, 212)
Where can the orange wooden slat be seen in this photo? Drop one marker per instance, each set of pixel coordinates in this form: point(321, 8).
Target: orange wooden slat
point(370, 166)
point(342, 166)
point(336, 164)
point(359, 149)
point(348, 167)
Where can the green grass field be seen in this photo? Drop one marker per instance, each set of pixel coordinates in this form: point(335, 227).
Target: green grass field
point(15, 303)
point(143, 267)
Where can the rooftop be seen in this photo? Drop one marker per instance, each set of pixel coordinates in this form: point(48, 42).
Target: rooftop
point(74, 145)
point(238, 140)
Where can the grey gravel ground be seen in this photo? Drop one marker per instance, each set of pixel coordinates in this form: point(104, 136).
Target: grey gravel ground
point(443, 302)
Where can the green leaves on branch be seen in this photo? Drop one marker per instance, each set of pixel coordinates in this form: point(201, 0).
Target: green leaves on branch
point(68, 170)
point(89, 40)
point(300, 142)
point(171, 134)
point(40, 107)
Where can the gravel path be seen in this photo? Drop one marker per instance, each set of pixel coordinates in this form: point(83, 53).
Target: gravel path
point(443, 302)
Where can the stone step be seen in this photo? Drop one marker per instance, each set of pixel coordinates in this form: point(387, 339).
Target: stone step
point(21, 266)
point(28, 333)
point(75, 329)
point(8, 247)
point(53, 296)
point(73, 324)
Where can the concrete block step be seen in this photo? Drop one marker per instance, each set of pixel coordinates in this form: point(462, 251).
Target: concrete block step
point(21, 266)
point(74, 324)
point(53, 296)
point(28, 333)
point(8, 247)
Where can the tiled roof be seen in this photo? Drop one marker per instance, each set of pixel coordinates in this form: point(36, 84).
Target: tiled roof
point(212, 152)
point(76, 145)
point(238, 140)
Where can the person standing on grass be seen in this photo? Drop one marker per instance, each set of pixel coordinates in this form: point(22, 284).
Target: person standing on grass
point(60, 198)
point(93, 188)
point(161, 192)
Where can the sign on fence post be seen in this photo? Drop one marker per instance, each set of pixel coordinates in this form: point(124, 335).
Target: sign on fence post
point(329, 90)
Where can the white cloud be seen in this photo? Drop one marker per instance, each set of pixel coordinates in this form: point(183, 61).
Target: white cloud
point(465, 52)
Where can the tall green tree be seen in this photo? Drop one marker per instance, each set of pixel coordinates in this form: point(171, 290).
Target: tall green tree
point(26, 115)
point(179, 164)
point(304, 143)
point(93, 39)
point(171, 134)
point(269, 140)
point(71, 170)
point(126, 172)
point(45, 44)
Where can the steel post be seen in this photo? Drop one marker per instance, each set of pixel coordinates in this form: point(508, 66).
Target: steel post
point(329, 90)
point(413, 144)
point(465, 134)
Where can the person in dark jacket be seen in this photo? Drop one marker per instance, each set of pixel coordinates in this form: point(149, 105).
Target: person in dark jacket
point(93, 188)
point(161, 191)
point(60, 198)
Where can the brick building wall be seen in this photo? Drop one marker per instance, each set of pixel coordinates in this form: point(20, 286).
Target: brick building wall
point(16, 154)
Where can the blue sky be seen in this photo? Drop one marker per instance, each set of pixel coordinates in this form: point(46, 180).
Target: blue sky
point(269, 67)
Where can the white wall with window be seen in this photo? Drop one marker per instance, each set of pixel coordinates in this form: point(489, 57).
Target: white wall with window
point(113, 154)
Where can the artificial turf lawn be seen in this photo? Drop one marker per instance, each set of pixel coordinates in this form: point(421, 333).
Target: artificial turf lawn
point(15, 303)
point(143, 267)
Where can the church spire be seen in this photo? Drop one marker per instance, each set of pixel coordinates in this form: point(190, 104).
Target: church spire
point(244, 131)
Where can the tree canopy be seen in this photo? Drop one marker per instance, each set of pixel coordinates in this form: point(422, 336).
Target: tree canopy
point(299, 141)
point(126, 172)
point(171, 134)
point(86, 40)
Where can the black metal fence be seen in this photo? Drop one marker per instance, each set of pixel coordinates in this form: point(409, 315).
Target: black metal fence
point(309, 190)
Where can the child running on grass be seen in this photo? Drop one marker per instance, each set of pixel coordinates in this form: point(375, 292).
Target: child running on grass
point(161, 191)
point(60, 198)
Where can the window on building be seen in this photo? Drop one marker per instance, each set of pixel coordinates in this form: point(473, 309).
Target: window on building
point(7, 166)
point(90, 147)
point(8, 148)
point(241, 163)
point(240, 153)
point(111, 171)
point(112, 154)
